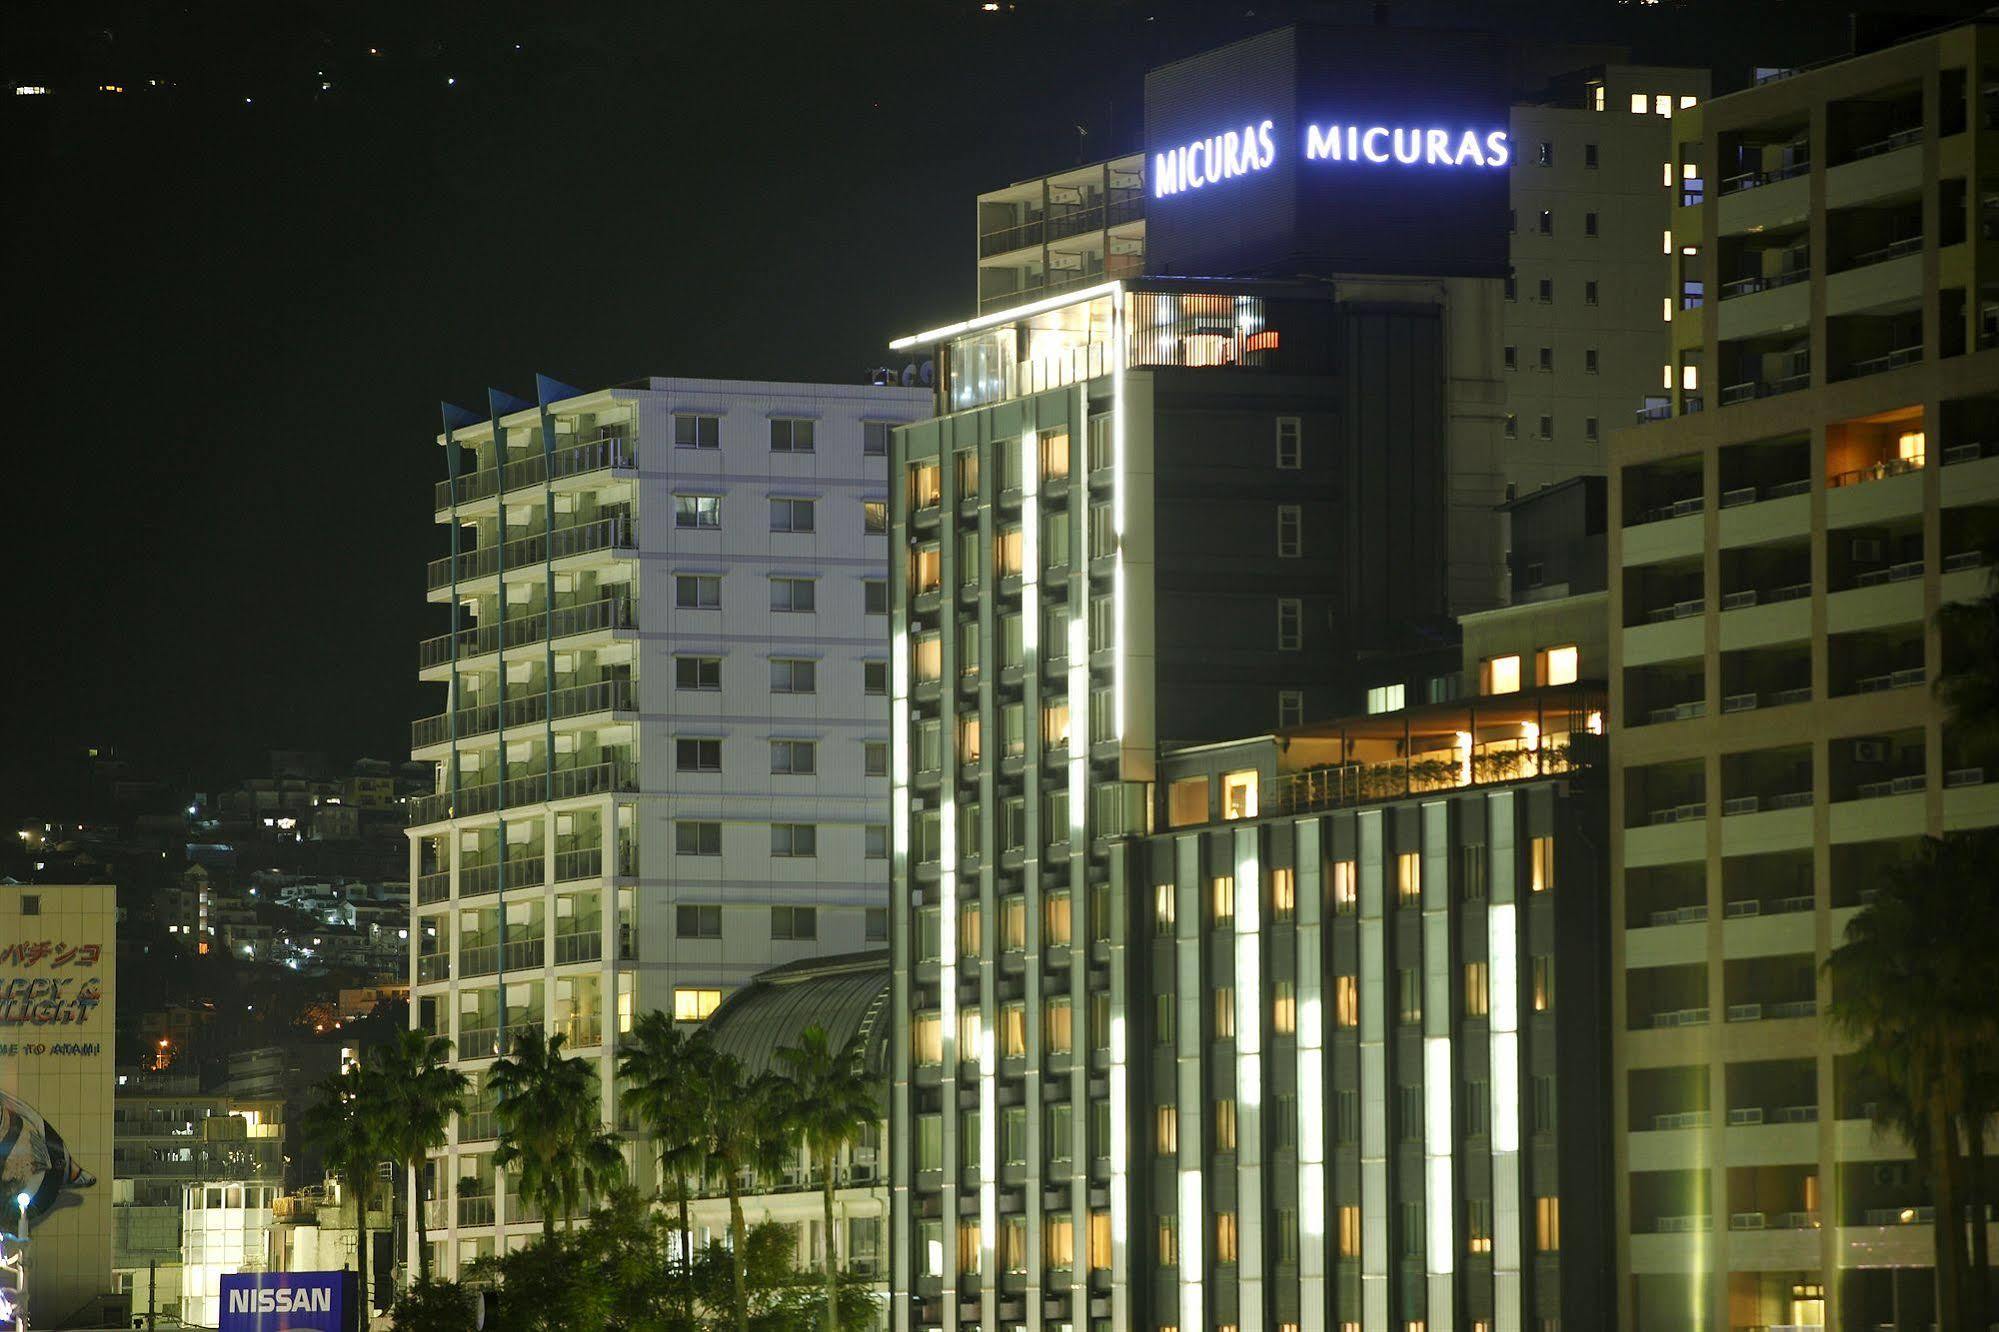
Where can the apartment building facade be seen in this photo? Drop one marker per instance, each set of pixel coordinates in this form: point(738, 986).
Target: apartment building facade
point(1779, 549)
point(663, 764)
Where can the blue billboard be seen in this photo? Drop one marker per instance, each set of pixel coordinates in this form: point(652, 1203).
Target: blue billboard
point(288, 1302)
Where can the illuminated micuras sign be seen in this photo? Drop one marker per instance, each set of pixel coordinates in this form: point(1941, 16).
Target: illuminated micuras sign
point(1220, 157)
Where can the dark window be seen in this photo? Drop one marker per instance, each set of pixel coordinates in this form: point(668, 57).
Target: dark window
point(791, 435)
point(697, 432)
point(876, 928)
point(792, 594)
point(791, 515)
point(697, 755)
point(1589, 155)
point(697, 672)
point(874, 439)
point(875, 596)
point(794, 839)
point(1589, 224)
point(794, 922)
point(697, 591)
point(697, 838)
point(874, 677)
point(697, 922)
point(792, 676)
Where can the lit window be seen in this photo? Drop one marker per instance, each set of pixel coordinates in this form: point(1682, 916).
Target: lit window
point(874, 516)
point(1349, 1233)
point(925, 486)
point(1475, 989)
point(1346, 888)
point(1225, 1237)
point(1690, 377)
point(1239, 795)
point(1542, 862)
point(1224, 1012)
point(1385, 698)
point(1187, 801)
point(1283, 893)
point(1596, 96)
point(1346, 1001)
point(1547, 1225)
point(1166, 1130)
point(1502, 675)
point(1541, 973)
point(1687, 99)
point(1162, 908)
point(692, 1005)
point(1225, 1124)
point(1909, 447)
point(1408, 878)
point(1662, 103)
point(1284, 1008)
point(1221, 899)
point(1559, 665)
point(1638, 104)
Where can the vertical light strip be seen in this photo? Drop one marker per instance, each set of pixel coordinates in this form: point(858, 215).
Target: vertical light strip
point(1117, 503)
point(1503, 976)
point(1249, 1002)
point(1189, 1090)
point(1439, 1168)
point(1311, 1084)
point(1375, 999)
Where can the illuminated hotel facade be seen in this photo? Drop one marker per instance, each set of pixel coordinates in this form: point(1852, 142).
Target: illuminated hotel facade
point(663, 767)
point(1826, 480)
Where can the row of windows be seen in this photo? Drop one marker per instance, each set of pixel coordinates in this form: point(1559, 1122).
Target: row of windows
point(788, 675)
point(1282, 901)
point(1545, 220)
point(788, 434)
point(1511, 359)
point(704, 921)
point(703, 837)
point(1544, 290)
point(1545, 429)
point(704, 513)
point(788, 592)
point(790, 758)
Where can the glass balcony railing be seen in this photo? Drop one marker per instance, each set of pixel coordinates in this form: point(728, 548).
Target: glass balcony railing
point(525, 954)
point(520, 872)
point(614, 533)
point(526, 710)
point(475, 1211)
point(606, 452)
point(525, 630)
point(578, 946)
point(561, 784)
point(587, 863)
point(433, 967)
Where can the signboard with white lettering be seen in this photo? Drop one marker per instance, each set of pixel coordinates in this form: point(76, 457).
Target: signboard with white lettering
point(1318, 150)
point(288, 1302)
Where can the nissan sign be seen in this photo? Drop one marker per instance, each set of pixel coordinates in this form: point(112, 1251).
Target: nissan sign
point(288, 1302)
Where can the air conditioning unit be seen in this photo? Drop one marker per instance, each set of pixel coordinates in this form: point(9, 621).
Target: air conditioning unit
point(1870, 751)
point(1867, 550)
point(1893, 1174)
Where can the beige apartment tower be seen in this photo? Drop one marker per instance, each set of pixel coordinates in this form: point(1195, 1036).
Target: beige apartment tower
point(1823, 475)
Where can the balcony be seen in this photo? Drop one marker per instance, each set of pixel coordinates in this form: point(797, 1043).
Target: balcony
point(525, 954)
point(1888, 360)
point(587, 863)
point(1749, 390)
point(579, 1030)
point(614, 533)
point(526, 630)
point(561, 784)
point(433, 887)
point(607, 452)
point(528, 709)
point(432, 968)
point(519, 872)
point(475, 1212)
point(578, 946)
point(1750, 180)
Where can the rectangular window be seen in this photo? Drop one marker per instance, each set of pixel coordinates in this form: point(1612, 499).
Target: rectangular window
point(697, 511)
point(1409, 878)
point(1589, 224)
point(1591, 431)
point(792, 594)
point(1349, 1230)
point(1510, 426)
point(1224, 1005)
point(697, 432)
point(1409, 996)
point(1056, 920)
point(1058, 1242)
point(1290, 533)
point(1541, 863)
point(794, 840)
point(1386, 698)
point(1100, 1228)
point(1283, 1008)
point(874, 517)
point(1061, 1132)
point(874, 439)
point(1290, 707)
point(1346, 1001)
point(1547, 1225)
point(1471, 860)
point(794, 922)
point(1224, 1117)
point(791, 434)
point(1589, 292)
point(697, 672)
point(1545, 291)
point(925, 485)
point(697, 922)
point(697, 837)
point(697, 755)
point(1510, 357)
point(874, 596)
point(697, 591)
point(1283, 894)
point(1409, 1112)
point(1058, 1026)
point(1346, 1117)
point(874, 678)
point(1500, 675)
point(791, 515)
point(926, 1038)
point(1221, 899)
point(874, 840)
point(874, 928)
point(1012, 1033)
point(1166, 1130)
point(1225, 1237)
point(1547, 222)
point(1478, 1225)
point(694, 1005)
point(1013, 1135)
point(1547, 427)
point(1162, 908)
point(1559, 665)
point(1589, 149)
point(1547, 358)
point(1477, 1105)
point(1546, 155)
point(966, 461)
point(1162, 1019)
point(1169, 1245)
point(874, 758)
point(1542, 1116)
point(794, 757)
point(1009, 551)
point(1476, 990)
point(1346, 888)
point(1290, 443)
point(1054, 455)
point(1290, 624)
point(1541, 972)
point(792, 675)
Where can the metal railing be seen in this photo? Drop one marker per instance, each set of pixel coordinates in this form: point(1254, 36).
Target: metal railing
point(580, 1030)
point(1879, 470)
point(1901, 138)
point(614, 533)
point(525, 630)
point(578, 946)
point(1894, 360)
point(478, 960)
point(525, 954)
point(433, 887)
point(475, 1211)
point(1751, 389)
point(526, 710)
point(1749, 180)
point(433, 967)
point(1894, 249)
point(521, 872)
point(1746, 286)
point(560, 784)
point(587, 863)
point(606, 452)
point(1336, 786)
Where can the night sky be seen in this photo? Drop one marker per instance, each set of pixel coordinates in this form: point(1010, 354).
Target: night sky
point(236, 301)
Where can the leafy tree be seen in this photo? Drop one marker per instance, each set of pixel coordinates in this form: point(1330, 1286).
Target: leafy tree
point(666, 1072)
point(550, 1132)
point(345, 1121)
point(829, 1103)
point(435, 1306)
point(1969, 684)
point(1913, 983)
point(420, 1093)
point(743, 1122)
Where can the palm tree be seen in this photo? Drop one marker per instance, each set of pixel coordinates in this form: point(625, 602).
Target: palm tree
point(743, 1123)
point(664, 1070)
point(346, 1121)
point(1969, 683)
point(550, 1130)
point(831, 1102)
point(1912, 981)
point(420, 1093)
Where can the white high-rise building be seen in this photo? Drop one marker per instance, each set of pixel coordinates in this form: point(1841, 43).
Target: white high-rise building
point(663, 766)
